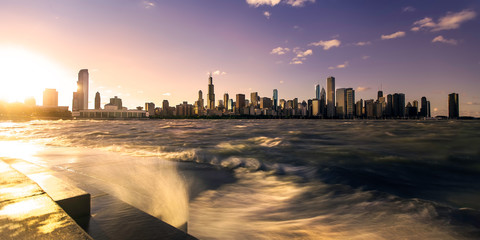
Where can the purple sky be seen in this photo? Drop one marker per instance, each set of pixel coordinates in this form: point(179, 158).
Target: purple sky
point(147, 51)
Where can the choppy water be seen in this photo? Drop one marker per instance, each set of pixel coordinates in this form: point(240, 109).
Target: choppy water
point(283, 179)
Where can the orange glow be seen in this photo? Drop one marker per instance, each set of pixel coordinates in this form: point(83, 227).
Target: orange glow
point(27, 74)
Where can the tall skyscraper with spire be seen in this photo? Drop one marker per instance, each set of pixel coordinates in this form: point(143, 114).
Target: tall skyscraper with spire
point(330, 97)
point(211, 94)
point(80, 97)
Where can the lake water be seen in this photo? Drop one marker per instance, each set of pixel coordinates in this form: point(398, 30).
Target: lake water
point(275, 179)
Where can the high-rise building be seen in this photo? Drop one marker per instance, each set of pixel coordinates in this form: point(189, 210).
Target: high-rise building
point(379, 94)
point(398, 105)
point(359, 108)
point(423, 108)
point(428, 109)
point(240, 101)
point(453, 108)
point(275, 99)
point(97, 101)
point(227, 103)
point(323, 102)
point(80, 97)
point(211, 94)
point(389, 110)
point(115, 102)
point(50, 98)
point(150, 108)
point(340, 104)
point(254, 99)
point(200, 105)
point(350, 102)
point(330, 97)
point(295, 103)
point(317, 91)
point(265, 102)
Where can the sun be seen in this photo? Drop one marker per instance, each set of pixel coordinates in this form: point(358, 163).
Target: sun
point(25, 74)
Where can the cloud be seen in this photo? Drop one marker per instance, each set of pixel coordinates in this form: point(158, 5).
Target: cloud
point(281, 82)
point(326, 44)
point(393, 35)
point(362, 89)
point(167, 94)
point(300, 56)
point(267, 14)
point(344, 65)
point(363, 43)
point(473, 103)
point(450, 21)
point(148, 4)
point(365, 57)
point(444, 40)
point(408, 9)
point(257, 3)
point(298, 3)
point(280, 50)
point(218, 72)
point(305, 53)
point(272, 3)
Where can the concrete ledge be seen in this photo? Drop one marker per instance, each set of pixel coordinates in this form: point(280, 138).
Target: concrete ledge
point(27, 212)
point(74, 201)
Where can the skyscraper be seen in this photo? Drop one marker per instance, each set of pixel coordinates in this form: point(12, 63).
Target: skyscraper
point(350, 102)
point(226, 102)
point(150, 108)
point(240, 101)
point(317, 91)
point(200, 107)
point(323, 102)
point(379, 94)
point(50, 98)
point(211, 94)
point(80, 97)
point(399, 105)
point(97, 100)
point(340, 104)
point(254, 99)
point(330, 97)
point(275, 99)
point(453, 108)
point(423, 108)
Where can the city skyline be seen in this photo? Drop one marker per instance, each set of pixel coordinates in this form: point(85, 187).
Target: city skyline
point(247, 46)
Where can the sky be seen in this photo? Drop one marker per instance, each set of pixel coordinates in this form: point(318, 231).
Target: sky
point(151, 50)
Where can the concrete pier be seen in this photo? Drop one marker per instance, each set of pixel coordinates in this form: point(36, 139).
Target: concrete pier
point(28, 212)
point(98, 214)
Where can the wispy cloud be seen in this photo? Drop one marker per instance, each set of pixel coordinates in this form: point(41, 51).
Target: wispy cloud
point(326, 44)
point(257, 3)
point(339, 66)
point(473, 103)
point(298, 3)
point(450, 21)
point(362, 89)
point(267, 14)
point(300, 56)
point(365, 57)
point(279, 50)
point(363, 43)
point(148, 4)
point(293, 3)
point(444, 40)
point(408, 9)
point(218, 72)
point(167, 94)
point(393, 35)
